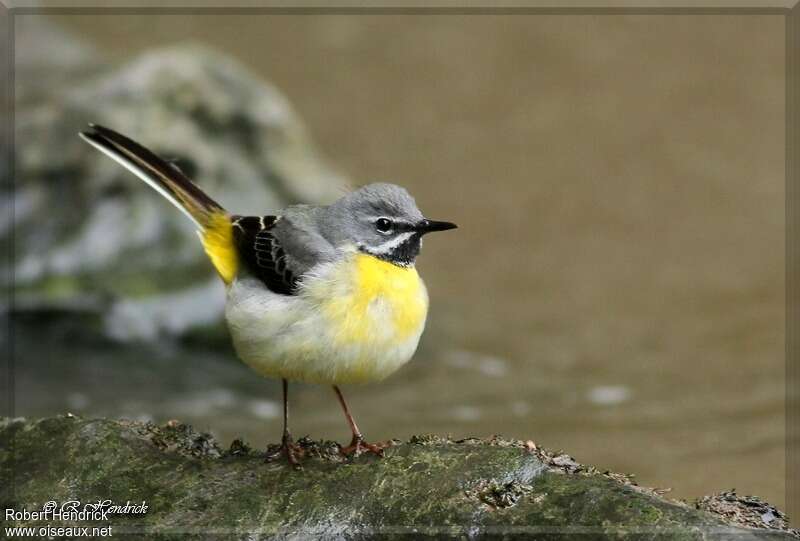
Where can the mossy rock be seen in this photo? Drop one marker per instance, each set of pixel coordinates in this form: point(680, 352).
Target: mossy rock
point(428, 486)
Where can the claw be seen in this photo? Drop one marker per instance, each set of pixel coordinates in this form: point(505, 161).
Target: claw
point(358, 446)
point(290, 450)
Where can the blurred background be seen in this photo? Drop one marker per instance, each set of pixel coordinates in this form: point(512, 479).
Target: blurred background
point(615, 289)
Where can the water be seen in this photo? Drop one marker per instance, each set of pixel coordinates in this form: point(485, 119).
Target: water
point(616, 287)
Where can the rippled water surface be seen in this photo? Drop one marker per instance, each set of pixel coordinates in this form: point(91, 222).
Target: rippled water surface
point(616, 287)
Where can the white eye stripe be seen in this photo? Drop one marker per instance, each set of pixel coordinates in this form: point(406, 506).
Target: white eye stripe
point(392, 243)
point(394, 221)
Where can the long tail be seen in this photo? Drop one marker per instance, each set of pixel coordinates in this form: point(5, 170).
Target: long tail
point(213, 222)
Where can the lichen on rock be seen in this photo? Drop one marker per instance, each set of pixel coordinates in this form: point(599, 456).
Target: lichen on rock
point(430, 485)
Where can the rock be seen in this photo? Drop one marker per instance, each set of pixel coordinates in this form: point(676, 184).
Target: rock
point(747, 511)
point(89, 237)
point(428, 486)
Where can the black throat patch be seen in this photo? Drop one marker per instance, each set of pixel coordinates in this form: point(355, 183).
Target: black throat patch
point(403, 255)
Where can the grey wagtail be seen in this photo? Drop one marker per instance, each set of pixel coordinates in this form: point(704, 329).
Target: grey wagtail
point(318, 294)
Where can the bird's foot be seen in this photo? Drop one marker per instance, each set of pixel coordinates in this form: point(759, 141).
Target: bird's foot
point(290, 450)
point(358, 446)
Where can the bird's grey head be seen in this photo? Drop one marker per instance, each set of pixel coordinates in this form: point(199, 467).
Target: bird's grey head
point(381, 220)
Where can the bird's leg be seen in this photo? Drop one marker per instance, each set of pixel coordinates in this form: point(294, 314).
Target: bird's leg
point(357, 444)
point(288, 447)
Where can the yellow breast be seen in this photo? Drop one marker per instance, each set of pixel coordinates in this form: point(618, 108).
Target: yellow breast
point(377, 302)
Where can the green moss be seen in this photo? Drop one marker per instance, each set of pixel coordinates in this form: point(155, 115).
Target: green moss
point(430, 485)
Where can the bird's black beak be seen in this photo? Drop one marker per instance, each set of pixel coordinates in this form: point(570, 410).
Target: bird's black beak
point(428, 226)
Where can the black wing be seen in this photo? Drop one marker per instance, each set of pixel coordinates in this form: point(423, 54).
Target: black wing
point(263, 254)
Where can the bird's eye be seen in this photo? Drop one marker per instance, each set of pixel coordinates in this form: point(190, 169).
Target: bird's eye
point(383, 225)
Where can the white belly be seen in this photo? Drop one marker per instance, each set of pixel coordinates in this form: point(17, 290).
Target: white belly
point(354, 321)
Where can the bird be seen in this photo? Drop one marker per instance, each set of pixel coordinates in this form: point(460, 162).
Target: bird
point(322, 294)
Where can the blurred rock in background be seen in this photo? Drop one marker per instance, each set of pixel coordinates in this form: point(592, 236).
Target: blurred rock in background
point(88, 236)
